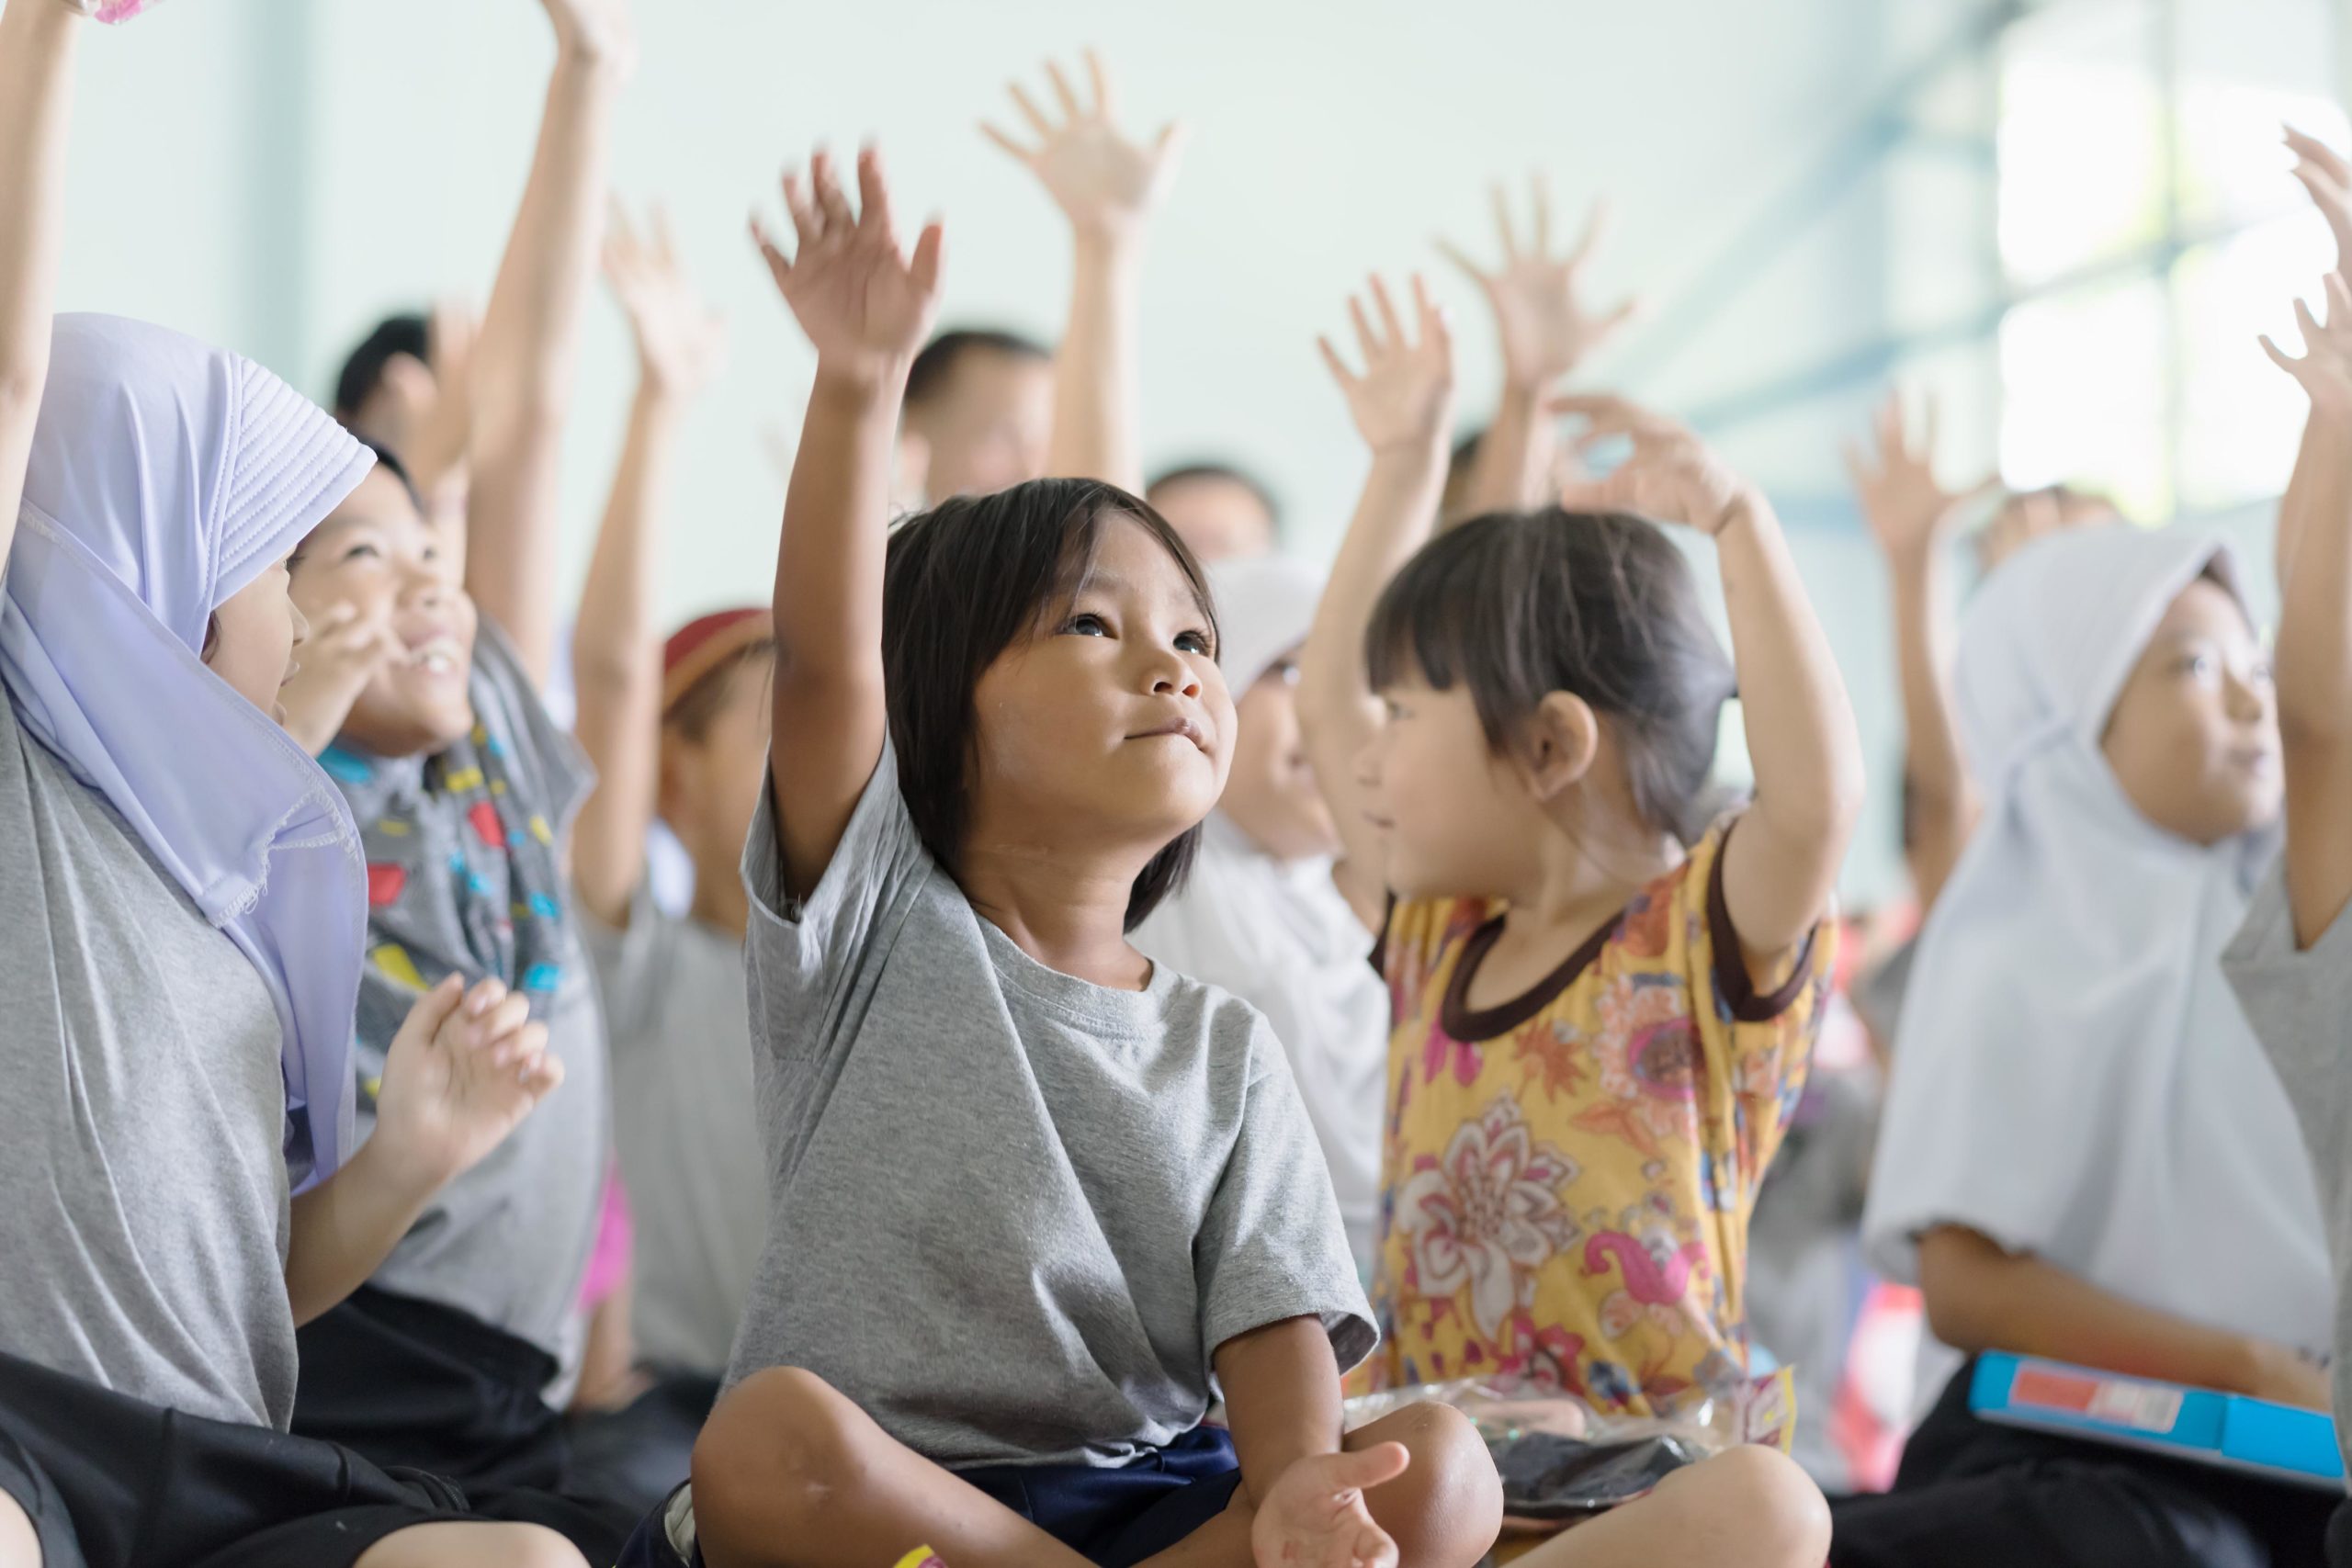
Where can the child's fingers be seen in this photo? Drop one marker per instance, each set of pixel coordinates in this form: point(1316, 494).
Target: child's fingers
point(1062, 92)
point(519, 1049)
point(1098, 75)
point(1032, 113)
point(2320, 152)
point(924, 267)
point(1019, 153)
point(1366, 339)
point(433, 1010)
point(542, 1076)
point(2310, 328)
point(808, 226)
point(779, 265)
point(1389, 323)
point(498, 1026)
point(1338, 367)
point(2339, 301)
point(1461, 258)
point(1502, 223)
point(1170, 145)
point(831, 204)
point(1539, 190)
point(2291, 367)
point(1364, 1469)
point(874, 199)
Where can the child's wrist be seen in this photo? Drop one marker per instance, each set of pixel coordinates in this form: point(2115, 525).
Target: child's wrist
point(860, 379)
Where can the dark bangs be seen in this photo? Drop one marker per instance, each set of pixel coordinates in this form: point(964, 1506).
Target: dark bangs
point(964, 581)
point(1600, 605)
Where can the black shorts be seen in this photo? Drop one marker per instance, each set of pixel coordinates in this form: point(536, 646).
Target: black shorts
point(415, 1384)
point(1974, 1493)
point(1111, 1515)
point(111, 1482)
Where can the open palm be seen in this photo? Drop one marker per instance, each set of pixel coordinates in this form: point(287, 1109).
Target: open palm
point(1099, 177)
point(680, 341)
point(864, 305)
point(457, 1082)
point(1545, 326)
point(2324, 370)
point(1314, 1516)
point(1907, 510)
point(1405, 393)
point(1671, 475)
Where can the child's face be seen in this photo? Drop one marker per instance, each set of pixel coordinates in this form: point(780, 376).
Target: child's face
point(712, 782)
point(1109, 729)
point(988, 428)
point(1221, 519)
point(255, 633)
point(377, 553)
point(1272, 795)
point(1456, 821)
point(2194, 737)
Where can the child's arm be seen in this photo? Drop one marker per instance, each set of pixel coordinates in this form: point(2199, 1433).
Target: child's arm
point(1780, 866)
point(1281, 1405)
point(37, 42)
point(2314, 654)
point(1911, 517)
point(1106, 185)
point(1546, 333)
point(1403, 406)
point(865, 308)
point(462, 1071)
point(1980, 1298)
point(524, 359)
point(616, 655)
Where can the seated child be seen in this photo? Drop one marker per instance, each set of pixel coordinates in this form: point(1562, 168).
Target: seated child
point(1035, 1199)
point(1602, 1005)
point(2084, 1155)
point(1261, 914)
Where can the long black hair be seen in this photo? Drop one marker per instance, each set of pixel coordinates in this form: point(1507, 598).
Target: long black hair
point(964, 581)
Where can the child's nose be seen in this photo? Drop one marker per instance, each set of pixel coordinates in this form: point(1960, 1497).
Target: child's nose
point(300, 622)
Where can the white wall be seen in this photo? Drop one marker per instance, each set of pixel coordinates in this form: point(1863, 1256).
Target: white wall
point(278, 173)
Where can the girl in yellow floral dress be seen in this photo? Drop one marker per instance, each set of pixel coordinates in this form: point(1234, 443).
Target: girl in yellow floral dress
point(1604, 996)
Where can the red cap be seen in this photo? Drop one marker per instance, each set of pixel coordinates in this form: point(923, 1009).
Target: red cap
point(704, 644)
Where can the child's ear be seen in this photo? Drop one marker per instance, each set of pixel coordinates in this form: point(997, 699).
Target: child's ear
point(1562, 738)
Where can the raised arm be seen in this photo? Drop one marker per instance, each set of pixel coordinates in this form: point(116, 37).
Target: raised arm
point(1545, 331)
point(1911, 517)
point(525, 357)
point(2314, 654)
point(1403, 408)
point(1780, 867)
point(1107, 186)
point(616, 649)
point(865, 308)
point(36, 43)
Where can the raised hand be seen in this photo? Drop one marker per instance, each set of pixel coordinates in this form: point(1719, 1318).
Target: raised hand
point(1909, 511)
point(1405, 396)
point(1104, 182)
point(2325, 371)
point(1314, 1516)
point(595, 32)
point(865, 306)
point(680, 341)
point(461, 1073)
point(1540, 313)
point(338, 659)
point(1671, 475)
point(2323, 172)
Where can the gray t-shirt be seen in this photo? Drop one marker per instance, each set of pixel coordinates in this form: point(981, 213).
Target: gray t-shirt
point(144, 1218)
point(686, 1126)
point(2300, 1004)
point(1012, 1213)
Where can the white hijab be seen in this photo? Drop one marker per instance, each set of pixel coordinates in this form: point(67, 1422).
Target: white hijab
point(2074, 1077)
point(1278, 933)
point(165, 476)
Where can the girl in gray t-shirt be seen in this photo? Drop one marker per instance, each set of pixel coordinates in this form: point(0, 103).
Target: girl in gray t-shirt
point(1034, 1201)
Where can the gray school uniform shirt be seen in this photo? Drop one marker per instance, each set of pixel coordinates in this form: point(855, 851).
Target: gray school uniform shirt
point(686, 1126)
point(143, 1191)
point(2300, 1004)
point(1010, 1214)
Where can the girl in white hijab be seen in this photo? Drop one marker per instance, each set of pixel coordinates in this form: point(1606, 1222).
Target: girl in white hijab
point(1260, 915)
point(2085, 1154)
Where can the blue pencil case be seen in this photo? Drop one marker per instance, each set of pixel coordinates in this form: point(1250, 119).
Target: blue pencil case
point(2228, 1430)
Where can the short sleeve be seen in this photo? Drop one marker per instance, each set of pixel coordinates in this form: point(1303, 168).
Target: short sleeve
point(630, 962)
point(809, 960)
point(545, 758)
point(1272, 1246)
point(2300, 1006)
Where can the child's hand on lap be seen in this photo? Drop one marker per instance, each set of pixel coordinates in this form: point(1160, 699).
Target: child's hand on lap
point(1405, 397)
point(1105, 184)
point(865, 306)
point(1671, 475)
point(1315, 1516)
point(2325, 371)
point(461, 1073)
point(1909, 511)
point(1544, 324)
point(680, 341)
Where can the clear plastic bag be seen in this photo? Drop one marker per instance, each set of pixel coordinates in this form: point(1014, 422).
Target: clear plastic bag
point(112, 11)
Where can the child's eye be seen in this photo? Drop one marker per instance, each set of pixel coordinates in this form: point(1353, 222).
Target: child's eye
point(1194, 642)
point(356, 551)
point(1086, 625)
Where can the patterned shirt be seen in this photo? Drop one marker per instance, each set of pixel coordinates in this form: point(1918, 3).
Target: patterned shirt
point(1568, 1177)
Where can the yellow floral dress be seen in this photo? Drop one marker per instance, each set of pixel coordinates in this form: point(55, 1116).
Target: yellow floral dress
point(1567, 1179)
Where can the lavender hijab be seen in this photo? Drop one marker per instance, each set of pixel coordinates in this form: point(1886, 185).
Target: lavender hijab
point(164, 476)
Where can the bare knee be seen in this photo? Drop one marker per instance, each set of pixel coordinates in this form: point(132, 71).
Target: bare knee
point(19, 1542)
point(1447, 1508)
point(472, 1546)
point(1756, 1506)
point(780, 1447)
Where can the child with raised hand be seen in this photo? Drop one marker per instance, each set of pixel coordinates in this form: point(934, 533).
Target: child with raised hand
point(2084, 1155)
point(460, 1353)
point(1546, 330)
point(2288, 961)
point(682, 736)
point(183, 947)
point(1602, 1006)
point(1034, 1198)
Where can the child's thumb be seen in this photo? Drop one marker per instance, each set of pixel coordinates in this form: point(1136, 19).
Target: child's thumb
point(1372, 1467)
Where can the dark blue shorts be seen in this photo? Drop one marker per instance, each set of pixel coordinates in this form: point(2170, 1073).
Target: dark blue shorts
point(1112, 1516)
